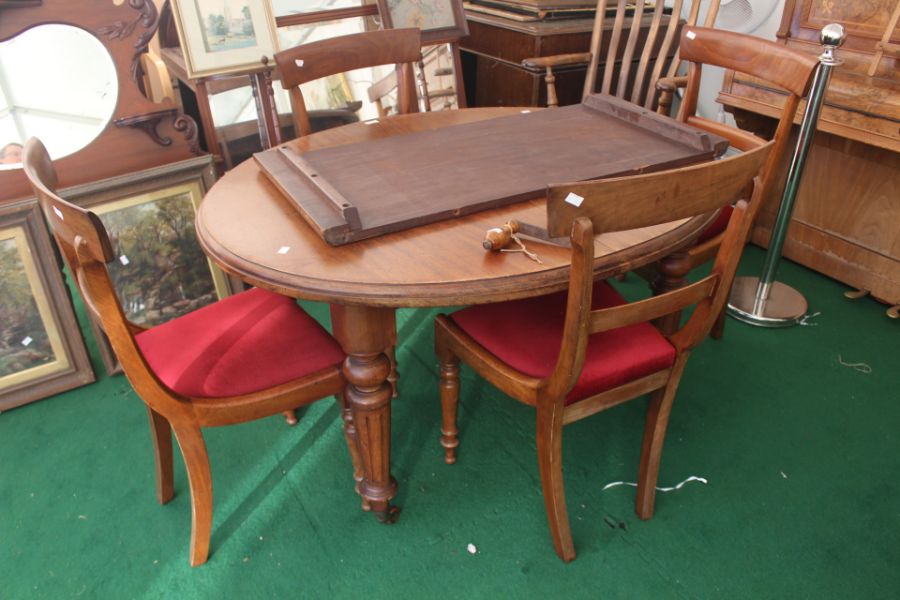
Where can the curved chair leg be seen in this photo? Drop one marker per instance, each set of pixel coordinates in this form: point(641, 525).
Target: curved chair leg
point(658, 410)
point(549, 451)
point(353, 447)
point(718, 328)
point(196, 461)
point(449, 385)
point(161, 433)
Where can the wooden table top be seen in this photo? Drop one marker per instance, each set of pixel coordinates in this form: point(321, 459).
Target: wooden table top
point(252, 231)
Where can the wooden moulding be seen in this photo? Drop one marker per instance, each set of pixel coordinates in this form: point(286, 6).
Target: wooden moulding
point(357, 191)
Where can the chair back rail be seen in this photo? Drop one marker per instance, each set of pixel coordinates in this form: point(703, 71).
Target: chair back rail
point(315, 60)
point(640, 201)
point(763, 59)
point(632, 202)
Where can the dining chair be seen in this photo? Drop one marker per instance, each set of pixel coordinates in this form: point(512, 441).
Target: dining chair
point(774, 65)
point(630, 70)
point(571, 355)
point(251, 355)
point(382, 92)
point(308, 62)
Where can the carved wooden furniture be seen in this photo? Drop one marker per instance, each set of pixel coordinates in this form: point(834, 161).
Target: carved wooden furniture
point(630, 71)
point(312, 61)
point(249, 356)
point(141, 133)
point(268, 243)
point(496, 47)
point(772, 65)
point(573, 356)
point(846, 211)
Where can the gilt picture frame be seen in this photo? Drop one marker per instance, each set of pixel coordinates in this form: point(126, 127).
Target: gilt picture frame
point(160, 271)
point(225, 37)
point(441, 21)
point(42, 352)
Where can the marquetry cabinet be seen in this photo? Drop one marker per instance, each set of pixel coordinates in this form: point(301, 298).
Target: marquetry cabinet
point(846, 220)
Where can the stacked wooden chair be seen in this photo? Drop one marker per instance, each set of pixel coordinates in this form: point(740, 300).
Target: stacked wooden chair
point(249, 356)
point(573, 355)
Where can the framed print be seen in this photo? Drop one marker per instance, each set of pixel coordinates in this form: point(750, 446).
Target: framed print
point(224, 36)
point(441, 21)
point(160, 271)
point(41, 349)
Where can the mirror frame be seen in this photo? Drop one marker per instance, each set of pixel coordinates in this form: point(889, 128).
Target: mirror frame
point(141, 134)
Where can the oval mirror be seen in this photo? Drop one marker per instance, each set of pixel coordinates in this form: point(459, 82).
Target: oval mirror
point(57, 83)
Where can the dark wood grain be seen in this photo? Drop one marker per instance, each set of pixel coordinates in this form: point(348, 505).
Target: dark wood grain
point(419, 178)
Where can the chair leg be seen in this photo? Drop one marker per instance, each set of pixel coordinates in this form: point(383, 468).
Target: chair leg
point(449, 406)
point(161, 433)
point(196, 461)
point(657, 420)
point(718, 328)
point(290, 417)
point(549, 451)
point(352, 446)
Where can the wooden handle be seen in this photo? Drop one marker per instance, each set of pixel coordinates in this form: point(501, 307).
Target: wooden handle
point(499, 237)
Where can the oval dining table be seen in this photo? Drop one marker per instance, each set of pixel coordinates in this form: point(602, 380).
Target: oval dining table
point(251, 230)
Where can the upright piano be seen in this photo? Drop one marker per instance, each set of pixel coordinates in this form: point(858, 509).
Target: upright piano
point(846, 220)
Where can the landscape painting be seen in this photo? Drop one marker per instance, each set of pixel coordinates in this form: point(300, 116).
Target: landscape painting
point(160, 272)
point(223, 37)
point(29, 341)
point(226, 24)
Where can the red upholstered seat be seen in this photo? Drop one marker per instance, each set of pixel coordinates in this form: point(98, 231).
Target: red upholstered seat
point(242, 344)
point(527, 334)
point(717, 226)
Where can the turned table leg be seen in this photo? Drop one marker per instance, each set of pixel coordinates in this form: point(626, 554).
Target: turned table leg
point(673, 270)
point(364, 333)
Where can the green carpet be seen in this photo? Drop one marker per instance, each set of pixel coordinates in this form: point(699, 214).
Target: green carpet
point(801, 454)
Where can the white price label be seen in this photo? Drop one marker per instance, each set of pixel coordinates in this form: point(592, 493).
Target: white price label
point(574, 199)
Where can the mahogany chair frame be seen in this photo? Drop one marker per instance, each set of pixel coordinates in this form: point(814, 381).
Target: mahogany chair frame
point(309, 62)
point(612, 205)
point(763, 59)
point(637, 86)
point(86, 250)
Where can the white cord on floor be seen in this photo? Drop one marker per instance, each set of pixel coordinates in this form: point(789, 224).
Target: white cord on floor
point(659, 489)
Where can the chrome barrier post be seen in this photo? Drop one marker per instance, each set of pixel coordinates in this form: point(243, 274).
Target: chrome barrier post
point(763, 301)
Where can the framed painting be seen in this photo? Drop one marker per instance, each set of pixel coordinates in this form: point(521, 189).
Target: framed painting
point(42, 352)
point(221, 37)
point(160, 271)
point(441, 21)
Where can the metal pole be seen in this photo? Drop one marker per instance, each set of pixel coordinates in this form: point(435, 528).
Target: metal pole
point(763, 301)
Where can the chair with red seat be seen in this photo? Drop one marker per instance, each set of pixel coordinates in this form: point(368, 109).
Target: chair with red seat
point(573, 355)
point(248, 356)
point(776, 66)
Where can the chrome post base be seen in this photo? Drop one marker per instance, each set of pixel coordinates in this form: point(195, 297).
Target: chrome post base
point(784, 307)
